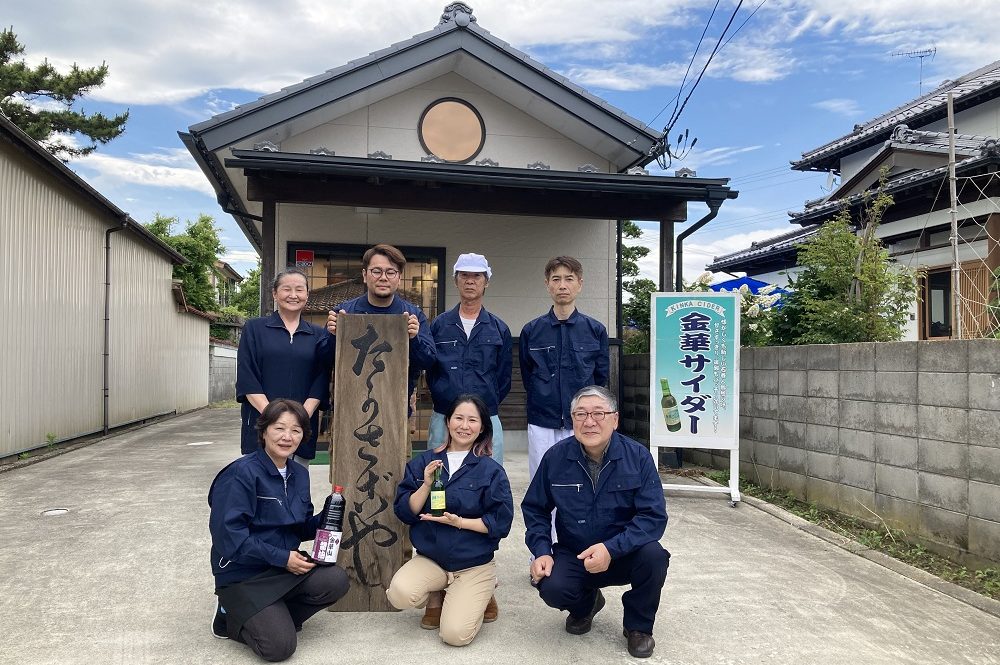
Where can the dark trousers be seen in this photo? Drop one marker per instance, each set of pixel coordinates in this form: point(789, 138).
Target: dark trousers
point(271, 632)
point(571, 587)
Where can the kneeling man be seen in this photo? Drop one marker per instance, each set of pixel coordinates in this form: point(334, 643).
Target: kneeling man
point(609, 519)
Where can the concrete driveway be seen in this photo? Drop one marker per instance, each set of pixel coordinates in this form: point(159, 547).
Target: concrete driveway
point(124, 577)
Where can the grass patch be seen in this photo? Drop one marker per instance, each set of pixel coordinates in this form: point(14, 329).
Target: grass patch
point(881, 538)
point(225, 404)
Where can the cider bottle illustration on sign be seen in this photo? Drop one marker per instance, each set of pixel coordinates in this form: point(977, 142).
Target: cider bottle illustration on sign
point(671, 416)
point(437, 495)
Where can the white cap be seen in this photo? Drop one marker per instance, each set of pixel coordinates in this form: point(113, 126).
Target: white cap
point(473, 263)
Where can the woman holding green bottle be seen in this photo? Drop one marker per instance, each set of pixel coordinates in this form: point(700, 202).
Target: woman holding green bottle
point(455, 549)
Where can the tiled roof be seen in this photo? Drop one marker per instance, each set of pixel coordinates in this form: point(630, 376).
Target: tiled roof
point(329, 297)
point(772, 246)
point(398, 47)
point(814, 214)
point(920, 111)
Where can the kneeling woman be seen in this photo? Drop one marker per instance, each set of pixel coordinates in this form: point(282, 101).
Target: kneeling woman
point(455, 550)
point(261, 511)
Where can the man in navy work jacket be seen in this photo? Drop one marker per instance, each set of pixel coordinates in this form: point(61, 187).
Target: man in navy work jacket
point(560, 353)
point(382, 273)
point(610, 517)
point(473, 350)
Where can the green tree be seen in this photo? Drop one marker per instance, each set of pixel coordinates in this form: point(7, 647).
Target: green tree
point(849, 289)
point(757, 310)
point(23, 88)
point(247, 299)
point(635, 310)
point(201, 246)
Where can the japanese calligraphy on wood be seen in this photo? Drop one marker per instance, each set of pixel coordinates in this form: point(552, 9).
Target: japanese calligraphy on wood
point(369, 449)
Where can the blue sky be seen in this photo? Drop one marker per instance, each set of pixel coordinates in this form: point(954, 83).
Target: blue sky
point(799, 74)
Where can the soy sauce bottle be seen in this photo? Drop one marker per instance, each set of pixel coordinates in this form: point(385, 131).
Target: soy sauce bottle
point(326, 545)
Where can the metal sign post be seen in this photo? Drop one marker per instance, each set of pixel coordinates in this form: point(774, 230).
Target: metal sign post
point(694, 378)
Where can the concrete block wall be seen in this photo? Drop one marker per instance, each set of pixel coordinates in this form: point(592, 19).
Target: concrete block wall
point(906, 432)
point(221, 372)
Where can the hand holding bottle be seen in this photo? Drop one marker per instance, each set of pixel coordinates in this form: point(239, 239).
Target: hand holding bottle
point(429, 470)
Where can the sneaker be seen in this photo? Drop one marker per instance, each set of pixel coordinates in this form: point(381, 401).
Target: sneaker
point(219, 623)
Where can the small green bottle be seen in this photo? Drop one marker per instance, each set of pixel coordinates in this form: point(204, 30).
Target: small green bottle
point(671, 416)
point(437, 494)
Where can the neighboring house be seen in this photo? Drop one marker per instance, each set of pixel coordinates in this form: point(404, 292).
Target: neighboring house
point(910, 143)
point(95, 335)
point(449, 142)
point(226, 282)
point(771, 261)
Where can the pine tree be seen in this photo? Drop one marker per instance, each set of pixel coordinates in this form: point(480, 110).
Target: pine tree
point(636, 310)
point(23, 89)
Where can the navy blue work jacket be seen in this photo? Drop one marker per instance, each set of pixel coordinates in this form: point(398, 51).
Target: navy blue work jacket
point(478, 489)
point(625, 510)
point(257, 517)
point(421, 346)
point(273, 363)
point(480, 364)
point(557, 359)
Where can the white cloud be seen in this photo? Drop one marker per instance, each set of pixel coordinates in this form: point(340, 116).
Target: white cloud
point(700, 249)
point(840, 106)
point(154, 170)
point(700, 158)
point(242, 256)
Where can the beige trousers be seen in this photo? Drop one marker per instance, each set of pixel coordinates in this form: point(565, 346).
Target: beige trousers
point(469, 591)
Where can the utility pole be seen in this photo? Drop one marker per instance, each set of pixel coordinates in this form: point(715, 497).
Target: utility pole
point(956, 267)
point(925, 53)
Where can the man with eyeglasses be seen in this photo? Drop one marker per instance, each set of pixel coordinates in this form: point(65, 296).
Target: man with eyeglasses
point(610, 516)
point(474, 352)
point(381, 274)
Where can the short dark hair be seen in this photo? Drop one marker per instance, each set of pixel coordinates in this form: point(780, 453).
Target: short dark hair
point(395, 256)
point(567, 262)
point(277, 408)
point(285, 273)
point(483, 445)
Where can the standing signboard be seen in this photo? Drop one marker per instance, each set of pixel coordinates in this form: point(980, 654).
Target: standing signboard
point(369, 449)
point(694, 377)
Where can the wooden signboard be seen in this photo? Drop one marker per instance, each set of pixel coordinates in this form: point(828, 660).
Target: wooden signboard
point(369, 450)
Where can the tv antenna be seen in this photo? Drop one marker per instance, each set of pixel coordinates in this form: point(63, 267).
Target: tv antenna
point(924, 53)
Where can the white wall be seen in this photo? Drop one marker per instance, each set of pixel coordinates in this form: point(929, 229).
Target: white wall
point(51, 338)
point(517, 248)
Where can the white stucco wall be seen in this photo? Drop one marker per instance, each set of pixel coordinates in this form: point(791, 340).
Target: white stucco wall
point(517, 247)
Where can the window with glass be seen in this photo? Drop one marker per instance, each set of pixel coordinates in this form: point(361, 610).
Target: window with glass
point(937, 306)
point(334, 273)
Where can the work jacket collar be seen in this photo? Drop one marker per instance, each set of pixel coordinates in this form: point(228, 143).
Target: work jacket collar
point(274, 321)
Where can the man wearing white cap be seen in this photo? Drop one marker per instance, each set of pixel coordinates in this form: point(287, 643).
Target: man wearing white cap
point(474, 352)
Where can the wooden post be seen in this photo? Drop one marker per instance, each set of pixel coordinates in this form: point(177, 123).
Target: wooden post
point(267, 251)
point(369, 449)
point(666, 255)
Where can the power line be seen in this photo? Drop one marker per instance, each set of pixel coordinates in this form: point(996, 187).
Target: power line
point(697, 47)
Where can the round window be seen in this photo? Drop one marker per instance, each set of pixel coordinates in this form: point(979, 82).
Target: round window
point(452, 129)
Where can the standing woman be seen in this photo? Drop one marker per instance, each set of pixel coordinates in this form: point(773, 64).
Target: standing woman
point(261, 511)
point(280, 355)
point(455, 550)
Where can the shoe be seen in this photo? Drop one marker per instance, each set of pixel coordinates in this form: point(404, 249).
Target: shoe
point(640, 645)
point(219, 624)
point(492, 611)
point(431, 619)
point(581, 625)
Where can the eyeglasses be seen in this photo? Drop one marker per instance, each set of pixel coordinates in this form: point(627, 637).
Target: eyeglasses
point(598, 416)
point(388, 272)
